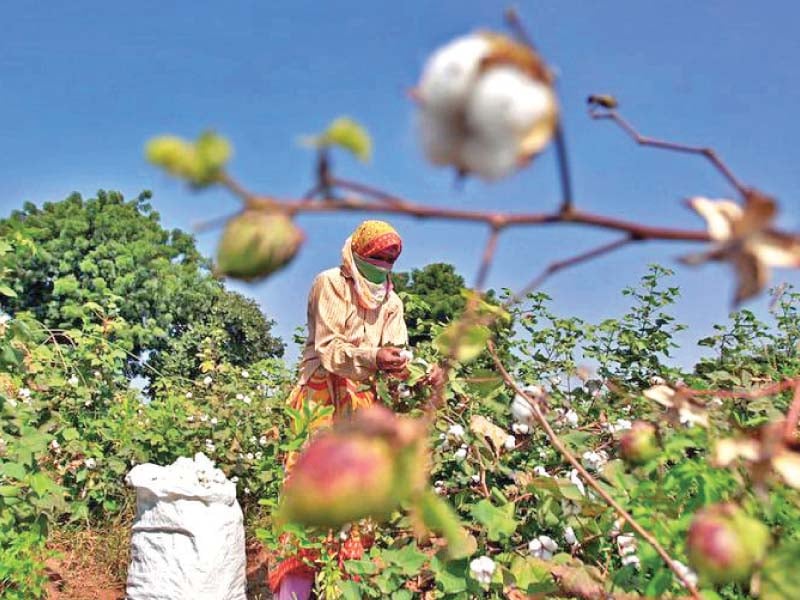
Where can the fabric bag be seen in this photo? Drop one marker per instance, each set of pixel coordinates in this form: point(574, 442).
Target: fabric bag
point(187, 538)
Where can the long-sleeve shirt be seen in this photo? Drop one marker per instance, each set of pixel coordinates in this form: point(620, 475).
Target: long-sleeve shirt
point(343, 337)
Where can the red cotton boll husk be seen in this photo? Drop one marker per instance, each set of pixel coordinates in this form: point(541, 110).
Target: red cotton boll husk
point(339, 479)
point(724, 544)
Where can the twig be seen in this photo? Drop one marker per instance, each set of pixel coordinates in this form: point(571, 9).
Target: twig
point(558, 265)
point(591, 481)
point(487, 259)
point(209, 224)
point(709, 153)
point(768, 390)
point(360, 188)
point(498, 220)
point(564, 177)
point(793, 416)
point(518, 28)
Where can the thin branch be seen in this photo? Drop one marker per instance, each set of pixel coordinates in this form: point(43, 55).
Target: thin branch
point(768, 390)
point(591, 481)
point(499, 220)
point(564, 177)
point(519, 30)
point(792, 417)
point(487, 259)
point(360, 188)
point(558, 265)
point(214, 223)
point(709, 153)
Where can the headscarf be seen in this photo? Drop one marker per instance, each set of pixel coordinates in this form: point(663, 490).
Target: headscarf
point(369, 238)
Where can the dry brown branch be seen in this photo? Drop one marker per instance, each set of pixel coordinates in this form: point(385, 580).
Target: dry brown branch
point(498, 220)
point(793, 416)
point(591, 481)
point(709, 153)
point(558, 265)
point(487, 259)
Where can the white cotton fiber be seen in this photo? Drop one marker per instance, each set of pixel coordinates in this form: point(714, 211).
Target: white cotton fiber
point(505, 102)
point(449, 73)
point(489, 158)
point(440, 136)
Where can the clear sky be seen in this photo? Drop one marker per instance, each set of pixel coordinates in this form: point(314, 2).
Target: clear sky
point(84, 84)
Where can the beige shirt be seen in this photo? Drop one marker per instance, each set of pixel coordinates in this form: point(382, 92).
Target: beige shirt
point(343, 337)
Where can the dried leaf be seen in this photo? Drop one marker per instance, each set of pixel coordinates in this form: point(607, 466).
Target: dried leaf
point(484, 428)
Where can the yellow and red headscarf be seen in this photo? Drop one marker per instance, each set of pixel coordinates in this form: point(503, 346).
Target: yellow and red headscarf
point(369, 238)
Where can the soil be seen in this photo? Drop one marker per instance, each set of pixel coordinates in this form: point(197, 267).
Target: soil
point(92, 565)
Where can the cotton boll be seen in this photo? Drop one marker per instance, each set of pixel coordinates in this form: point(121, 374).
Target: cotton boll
point(507, 101)
point(521, 409)
point(490, 158)
point(441, 137)
point(450, 72)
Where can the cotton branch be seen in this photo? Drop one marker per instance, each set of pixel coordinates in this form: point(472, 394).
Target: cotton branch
point(591, 481)
point(558, 265)
point(499, 220)
point(793, 416)
point(709, 153)
point(487, 259)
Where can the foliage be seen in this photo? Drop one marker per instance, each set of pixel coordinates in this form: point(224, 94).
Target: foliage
point(431, 295)
point(105, 251)
point(71, 427)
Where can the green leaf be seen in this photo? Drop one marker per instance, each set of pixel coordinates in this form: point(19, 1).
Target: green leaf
point(350, 135)
point(42, 484)
point(463, 341)
point(499, 521)
point(438, 516)
point(408, 559)
point(350, 590)
point(13, 470)
point(531, 576)
point(451, 577)
point(7, 291)
point(70, 433)
point(9, 491)
point(361, 567)
point(780, 577)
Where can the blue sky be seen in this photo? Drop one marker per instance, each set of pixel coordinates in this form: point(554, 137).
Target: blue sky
point(84, 84)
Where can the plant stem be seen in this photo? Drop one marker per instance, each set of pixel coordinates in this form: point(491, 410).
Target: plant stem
point(591, 481)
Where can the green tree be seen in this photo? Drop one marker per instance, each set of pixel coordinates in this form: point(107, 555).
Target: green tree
point(112, 258)
point(432, 295)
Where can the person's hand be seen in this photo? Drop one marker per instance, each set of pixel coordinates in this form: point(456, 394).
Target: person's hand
point(391, 359)
point(435, 377)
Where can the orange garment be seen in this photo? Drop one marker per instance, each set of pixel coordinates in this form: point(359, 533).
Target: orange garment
point(323, 389)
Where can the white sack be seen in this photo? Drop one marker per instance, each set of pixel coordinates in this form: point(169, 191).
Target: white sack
point(188, 536)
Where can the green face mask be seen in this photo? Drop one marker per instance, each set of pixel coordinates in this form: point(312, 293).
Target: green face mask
point(371, 273)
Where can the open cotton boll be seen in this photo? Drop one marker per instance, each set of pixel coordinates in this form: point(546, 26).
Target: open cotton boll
point(489, 158)
point(441, 137)
point(450, 72)
point(506, 101)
